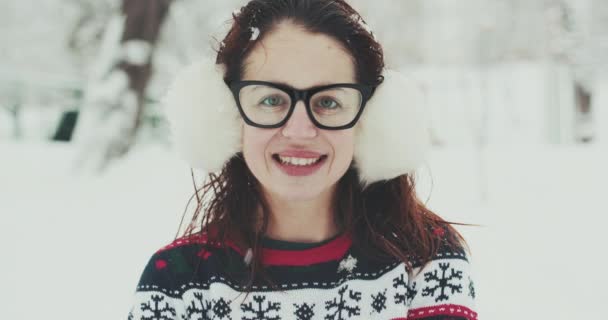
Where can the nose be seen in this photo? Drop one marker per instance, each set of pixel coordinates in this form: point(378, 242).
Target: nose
point(299, 124)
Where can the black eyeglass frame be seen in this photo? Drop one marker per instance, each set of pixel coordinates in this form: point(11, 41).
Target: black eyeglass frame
point(301, 94)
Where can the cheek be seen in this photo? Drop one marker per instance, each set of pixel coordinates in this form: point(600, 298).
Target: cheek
point(250, 143)
point(344, 145)
point(255, 143)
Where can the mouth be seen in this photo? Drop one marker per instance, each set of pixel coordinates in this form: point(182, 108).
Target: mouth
point(299, 166)
point(298, 161)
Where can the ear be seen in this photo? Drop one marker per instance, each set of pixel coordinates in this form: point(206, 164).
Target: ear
point(393, 137)
point(203, 117)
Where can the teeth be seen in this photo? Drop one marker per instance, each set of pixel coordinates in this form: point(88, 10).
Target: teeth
point(298, 161)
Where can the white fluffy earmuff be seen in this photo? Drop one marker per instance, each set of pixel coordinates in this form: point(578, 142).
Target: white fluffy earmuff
point(204, 121)
point(391, 136)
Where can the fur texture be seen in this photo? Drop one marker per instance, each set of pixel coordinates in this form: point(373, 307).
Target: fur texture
point(204, 120)
point(391, 136)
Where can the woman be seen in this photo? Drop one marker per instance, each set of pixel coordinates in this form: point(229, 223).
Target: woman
point(310, 209)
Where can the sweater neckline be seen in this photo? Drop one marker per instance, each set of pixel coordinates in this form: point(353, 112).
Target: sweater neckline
point(324, 251)
point(271, 243)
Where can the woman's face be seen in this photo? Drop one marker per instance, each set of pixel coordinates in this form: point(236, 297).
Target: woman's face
point(300, 59)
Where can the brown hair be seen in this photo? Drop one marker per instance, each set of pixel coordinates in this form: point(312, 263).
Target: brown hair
point(387, 218)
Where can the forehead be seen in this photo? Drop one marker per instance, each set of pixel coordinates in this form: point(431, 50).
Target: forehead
point(299, 58)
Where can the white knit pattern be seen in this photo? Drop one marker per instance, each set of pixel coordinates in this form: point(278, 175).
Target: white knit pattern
point(352, 299)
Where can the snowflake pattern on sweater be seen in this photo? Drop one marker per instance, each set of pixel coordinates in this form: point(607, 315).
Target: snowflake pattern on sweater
point(193, 279)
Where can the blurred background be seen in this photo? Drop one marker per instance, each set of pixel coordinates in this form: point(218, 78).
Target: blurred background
point(90, 187)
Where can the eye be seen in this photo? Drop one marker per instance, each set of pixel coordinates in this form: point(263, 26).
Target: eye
point(328, 103)
point(272, 101)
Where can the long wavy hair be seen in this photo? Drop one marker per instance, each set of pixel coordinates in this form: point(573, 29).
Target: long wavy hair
point(387, 219)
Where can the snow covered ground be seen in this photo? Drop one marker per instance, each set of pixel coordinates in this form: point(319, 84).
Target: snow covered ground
point(75, 244)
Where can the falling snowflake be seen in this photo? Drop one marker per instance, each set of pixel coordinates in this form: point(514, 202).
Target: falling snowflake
point(348, 264)
point(248, 256)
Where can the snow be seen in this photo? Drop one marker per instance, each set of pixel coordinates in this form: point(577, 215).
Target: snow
point(76, 243)
point(504, 103)
point(357, 19)
point(136, 52)
point(255, 33)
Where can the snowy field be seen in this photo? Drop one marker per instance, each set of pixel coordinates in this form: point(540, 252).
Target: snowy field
point(75, 244)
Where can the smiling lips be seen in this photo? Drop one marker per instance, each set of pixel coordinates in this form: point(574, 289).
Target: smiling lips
point(299, 162)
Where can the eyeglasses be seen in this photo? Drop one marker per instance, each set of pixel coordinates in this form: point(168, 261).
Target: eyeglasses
point(269, 105)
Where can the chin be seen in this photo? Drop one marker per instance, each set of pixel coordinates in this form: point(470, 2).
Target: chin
point(300, 193)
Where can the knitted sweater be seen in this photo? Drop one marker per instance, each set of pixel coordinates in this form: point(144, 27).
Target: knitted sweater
point(192, 278)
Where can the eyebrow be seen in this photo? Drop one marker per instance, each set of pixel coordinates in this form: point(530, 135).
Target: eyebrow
point(290, 86)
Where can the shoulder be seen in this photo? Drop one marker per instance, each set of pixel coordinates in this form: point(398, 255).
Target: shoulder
point(444, 285)
point(450, 245)
point(165, 264)
point(170, 271)
point(179, 261)
point(185, 242)
point(197, 240)
point(158, 286)
point(452, 250)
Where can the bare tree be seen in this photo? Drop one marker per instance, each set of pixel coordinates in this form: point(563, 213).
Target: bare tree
point(115, 94)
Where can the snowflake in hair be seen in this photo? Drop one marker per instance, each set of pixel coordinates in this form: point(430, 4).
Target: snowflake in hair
point(255, 33)
point(357, 19)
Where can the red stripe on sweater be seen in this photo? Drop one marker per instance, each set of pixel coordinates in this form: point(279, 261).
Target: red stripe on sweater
point(330, 251)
